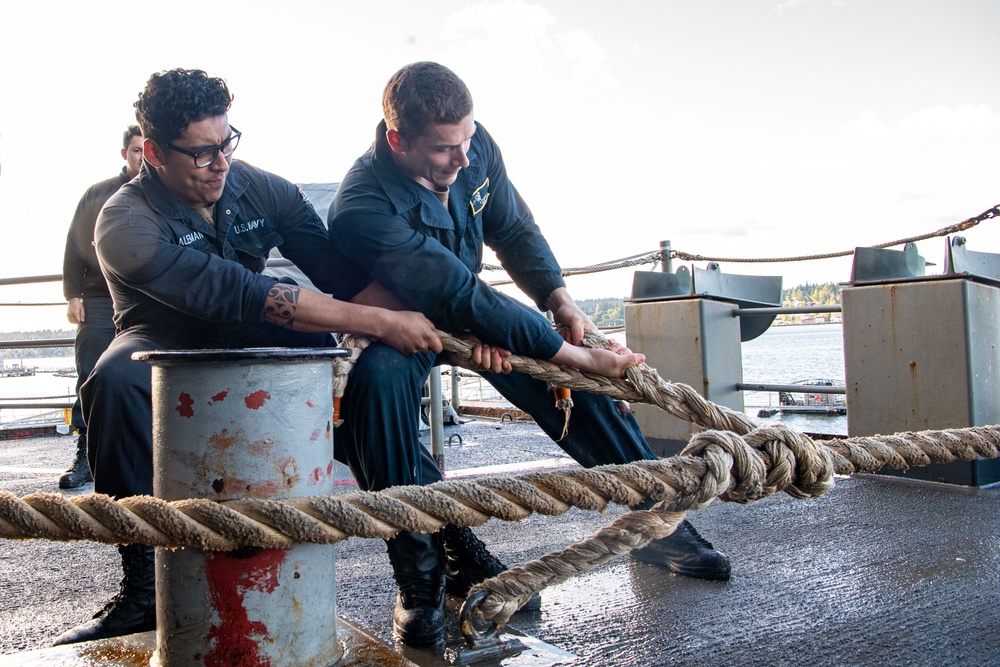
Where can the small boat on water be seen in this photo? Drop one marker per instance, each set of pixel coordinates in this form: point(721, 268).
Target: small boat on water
point(17, 371)
point(809, 402)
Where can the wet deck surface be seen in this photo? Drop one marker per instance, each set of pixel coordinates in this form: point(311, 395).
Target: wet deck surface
point(880, 571)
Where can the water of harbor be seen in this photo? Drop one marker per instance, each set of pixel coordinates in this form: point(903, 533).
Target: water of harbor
point(782, 355)
point(787, 354)
point(44, 386)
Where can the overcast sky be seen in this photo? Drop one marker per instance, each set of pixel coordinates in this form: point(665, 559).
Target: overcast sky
point(735, 128)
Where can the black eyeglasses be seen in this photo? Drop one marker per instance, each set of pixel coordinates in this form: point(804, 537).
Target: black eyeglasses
point(207, 156)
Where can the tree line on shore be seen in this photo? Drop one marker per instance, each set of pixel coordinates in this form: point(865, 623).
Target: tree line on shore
point(36, 352)
point(610, 312)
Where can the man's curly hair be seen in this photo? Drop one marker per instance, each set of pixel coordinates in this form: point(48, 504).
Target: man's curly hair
point(174, 99)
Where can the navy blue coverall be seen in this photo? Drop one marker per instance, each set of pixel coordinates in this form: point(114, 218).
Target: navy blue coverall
point(82, 279)
point(180, 283)
point(429, 257)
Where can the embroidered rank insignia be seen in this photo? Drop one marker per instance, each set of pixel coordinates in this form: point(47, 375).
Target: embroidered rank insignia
point(480, 197)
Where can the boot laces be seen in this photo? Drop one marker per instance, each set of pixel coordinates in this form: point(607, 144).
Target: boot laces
point(126, 589)
point(106, 609)
point(463, 549)
point(687, 532)
point(419, 592)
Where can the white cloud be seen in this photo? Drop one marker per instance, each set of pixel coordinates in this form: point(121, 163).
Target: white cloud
point(963, 122)
point(953, 123)
point(532, 47)
point(867, 128)
point(511, 20)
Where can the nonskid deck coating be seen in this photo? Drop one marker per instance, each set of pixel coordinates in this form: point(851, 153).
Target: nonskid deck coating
point(880, 571)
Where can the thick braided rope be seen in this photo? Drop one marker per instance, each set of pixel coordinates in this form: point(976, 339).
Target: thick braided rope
point(735, 469)
point(642, 384)
point(715, 464)
point(208, 525)
point(765, 461)
point(686, 482)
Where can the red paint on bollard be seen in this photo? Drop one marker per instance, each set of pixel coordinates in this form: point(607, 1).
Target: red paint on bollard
point(235, 639)
point(185, 403)
point(256, 400)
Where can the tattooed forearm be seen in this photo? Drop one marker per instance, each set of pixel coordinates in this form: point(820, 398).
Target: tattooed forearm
point(280, 305)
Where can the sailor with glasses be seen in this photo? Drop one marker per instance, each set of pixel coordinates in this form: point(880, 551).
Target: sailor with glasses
point(183, 248)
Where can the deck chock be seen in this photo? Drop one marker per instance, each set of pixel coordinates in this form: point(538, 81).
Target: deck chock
point(980, 266)
point(877, 265)
point(656, 285)
point(742, 290)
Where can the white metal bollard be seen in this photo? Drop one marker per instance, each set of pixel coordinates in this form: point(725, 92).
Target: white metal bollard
point(232, 424)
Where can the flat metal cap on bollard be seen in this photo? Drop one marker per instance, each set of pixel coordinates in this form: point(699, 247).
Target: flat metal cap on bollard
point(245, 354)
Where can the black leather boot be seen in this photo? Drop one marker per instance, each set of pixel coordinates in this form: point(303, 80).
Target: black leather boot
point(132, 610)
point(418, 567)
point(686, 553)
point(78, 473)
point(469, 562)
